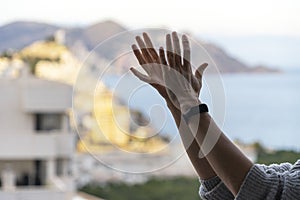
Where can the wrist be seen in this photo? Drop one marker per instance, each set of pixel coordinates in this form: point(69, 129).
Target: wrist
point(187, 104)
point(201, 108)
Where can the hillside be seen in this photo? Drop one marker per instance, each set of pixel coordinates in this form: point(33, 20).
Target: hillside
point(19, 34)
point(83, 39)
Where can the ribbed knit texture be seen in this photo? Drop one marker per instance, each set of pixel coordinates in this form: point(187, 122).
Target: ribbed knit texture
point(262, 182)
point(215, 189)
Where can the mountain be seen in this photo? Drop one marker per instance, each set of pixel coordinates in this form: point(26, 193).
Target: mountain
point(19, 34)
point(221, 58)
point(275, 50)
point(93, 35)
point(229, 64)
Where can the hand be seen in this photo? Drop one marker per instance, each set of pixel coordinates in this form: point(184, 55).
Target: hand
point(177, 85)
point(153, 64)
point(179, 77)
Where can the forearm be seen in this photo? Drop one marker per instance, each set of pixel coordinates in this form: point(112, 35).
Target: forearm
point(201, 165)
point(228, 162)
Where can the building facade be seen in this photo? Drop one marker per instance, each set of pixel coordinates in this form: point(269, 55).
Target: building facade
point(37, 144)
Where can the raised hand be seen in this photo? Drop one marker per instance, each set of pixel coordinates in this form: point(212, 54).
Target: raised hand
point(155, 63)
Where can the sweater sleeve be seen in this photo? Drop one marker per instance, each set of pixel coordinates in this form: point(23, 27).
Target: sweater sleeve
point(291, 188)
point(271, 182)
point(214, 189)
point(262, 182)
point(281, 168)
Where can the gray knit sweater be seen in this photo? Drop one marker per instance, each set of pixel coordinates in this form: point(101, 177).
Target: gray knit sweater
point(262, 182)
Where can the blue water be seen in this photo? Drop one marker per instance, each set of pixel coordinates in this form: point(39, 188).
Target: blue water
point(258, 107)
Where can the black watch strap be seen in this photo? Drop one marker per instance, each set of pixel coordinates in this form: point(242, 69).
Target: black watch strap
point(202, 108)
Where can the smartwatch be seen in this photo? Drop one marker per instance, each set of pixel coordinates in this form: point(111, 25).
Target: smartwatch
point(202, 108)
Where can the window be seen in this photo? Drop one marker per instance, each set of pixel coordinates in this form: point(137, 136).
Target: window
point(59, 167)
point(48, 122)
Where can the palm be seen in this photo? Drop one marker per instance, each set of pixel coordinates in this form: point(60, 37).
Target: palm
point(154, 64)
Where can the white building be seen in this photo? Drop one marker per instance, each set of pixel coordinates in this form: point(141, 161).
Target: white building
point(36, 142)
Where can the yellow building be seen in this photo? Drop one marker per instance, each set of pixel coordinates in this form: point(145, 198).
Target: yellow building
point(110, 127)
point(113, 119)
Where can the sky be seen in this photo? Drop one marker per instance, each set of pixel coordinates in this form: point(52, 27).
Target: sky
point(217, 20)
point(226, 17)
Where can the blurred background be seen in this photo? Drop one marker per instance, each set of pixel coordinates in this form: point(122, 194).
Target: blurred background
point(75, 123)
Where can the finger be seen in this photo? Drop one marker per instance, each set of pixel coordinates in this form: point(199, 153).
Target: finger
point(138, 54)
point(199, 72)
point(141, 76)
point(186, 54)
point(162, 56)
point(150, 47)
point(141, 59)
point(177, 51)
point(169, 50)
point(144, 50)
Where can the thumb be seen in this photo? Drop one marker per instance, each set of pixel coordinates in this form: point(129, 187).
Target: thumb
point(141, 76)
point(200, 70)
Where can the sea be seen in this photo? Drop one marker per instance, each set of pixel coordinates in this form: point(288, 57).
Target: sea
point(250, 108)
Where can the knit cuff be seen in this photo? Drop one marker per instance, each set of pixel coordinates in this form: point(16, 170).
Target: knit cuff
point(209, 184)
point(260, 183)
point(215, 189)
point(281, 168)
